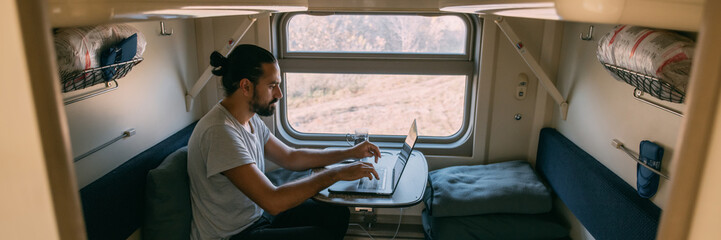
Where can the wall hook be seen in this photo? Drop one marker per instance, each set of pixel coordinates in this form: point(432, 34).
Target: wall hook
point(163, 31)
point(589, 36)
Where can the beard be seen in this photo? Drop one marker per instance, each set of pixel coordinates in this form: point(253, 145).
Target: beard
point(264, 110)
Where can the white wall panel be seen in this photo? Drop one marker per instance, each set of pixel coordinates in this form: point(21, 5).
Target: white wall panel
point(150, 99)
point(509, 138)
point(602, 108)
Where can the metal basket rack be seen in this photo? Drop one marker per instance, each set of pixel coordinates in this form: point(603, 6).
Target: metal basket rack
point(651, 85)
point(91, 77)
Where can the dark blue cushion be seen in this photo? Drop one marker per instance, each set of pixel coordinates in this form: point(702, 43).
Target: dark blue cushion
point(167, 208)
point(505, 187)
point(605, 204)
point(501, 226)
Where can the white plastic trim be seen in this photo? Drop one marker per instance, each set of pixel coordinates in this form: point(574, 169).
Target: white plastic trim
point(533, 64)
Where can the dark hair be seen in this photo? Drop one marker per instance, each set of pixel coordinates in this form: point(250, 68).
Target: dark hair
point(244, 62)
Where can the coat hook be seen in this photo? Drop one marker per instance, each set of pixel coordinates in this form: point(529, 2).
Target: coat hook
point(590, 34)
point(162, 30)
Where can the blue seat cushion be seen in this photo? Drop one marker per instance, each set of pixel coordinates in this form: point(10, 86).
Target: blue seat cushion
point(502, 226)
point(506, 187)
point(605, 204)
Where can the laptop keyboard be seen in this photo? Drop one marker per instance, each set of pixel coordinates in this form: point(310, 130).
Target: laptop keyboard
point(374, 184)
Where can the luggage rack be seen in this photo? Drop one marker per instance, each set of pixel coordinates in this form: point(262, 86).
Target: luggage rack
point(90, 77)
point(649, 84)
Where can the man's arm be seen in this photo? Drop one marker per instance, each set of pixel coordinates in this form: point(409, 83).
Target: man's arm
point(302, 159)
point(254, 184)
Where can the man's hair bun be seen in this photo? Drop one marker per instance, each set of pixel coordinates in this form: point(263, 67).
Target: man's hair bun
point(219, 62)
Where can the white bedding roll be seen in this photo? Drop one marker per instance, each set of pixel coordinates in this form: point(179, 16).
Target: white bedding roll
point(80, 48)
point(662, 54)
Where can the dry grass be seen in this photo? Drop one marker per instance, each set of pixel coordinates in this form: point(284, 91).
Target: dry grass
point(385, 104)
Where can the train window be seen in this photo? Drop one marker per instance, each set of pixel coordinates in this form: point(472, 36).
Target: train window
point(376, 71)
point(383, 103)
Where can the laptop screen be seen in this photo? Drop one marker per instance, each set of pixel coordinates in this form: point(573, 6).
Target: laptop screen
point(405, 153)
point(409, 142)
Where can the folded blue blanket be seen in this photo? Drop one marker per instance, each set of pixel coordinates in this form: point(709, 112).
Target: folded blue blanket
point(646, 180)
point(507, 187)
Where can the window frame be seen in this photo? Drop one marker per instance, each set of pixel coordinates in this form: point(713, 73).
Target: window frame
point(284, 54)
point(457, 144)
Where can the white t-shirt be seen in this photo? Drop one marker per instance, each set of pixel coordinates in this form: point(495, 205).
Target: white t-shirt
point(219, 143)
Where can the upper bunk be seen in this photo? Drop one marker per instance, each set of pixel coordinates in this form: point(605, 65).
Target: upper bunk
point(682, 15)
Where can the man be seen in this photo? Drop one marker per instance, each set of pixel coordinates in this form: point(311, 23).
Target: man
point(226, 153)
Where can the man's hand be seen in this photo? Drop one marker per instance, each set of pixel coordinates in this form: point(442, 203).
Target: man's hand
point(353, 171)
point(364, 150)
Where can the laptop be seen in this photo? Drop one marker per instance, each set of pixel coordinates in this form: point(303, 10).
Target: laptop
point(389, 178)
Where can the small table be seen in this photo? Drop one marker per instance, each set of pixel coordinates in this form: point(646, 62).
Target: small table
point(409, 192)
